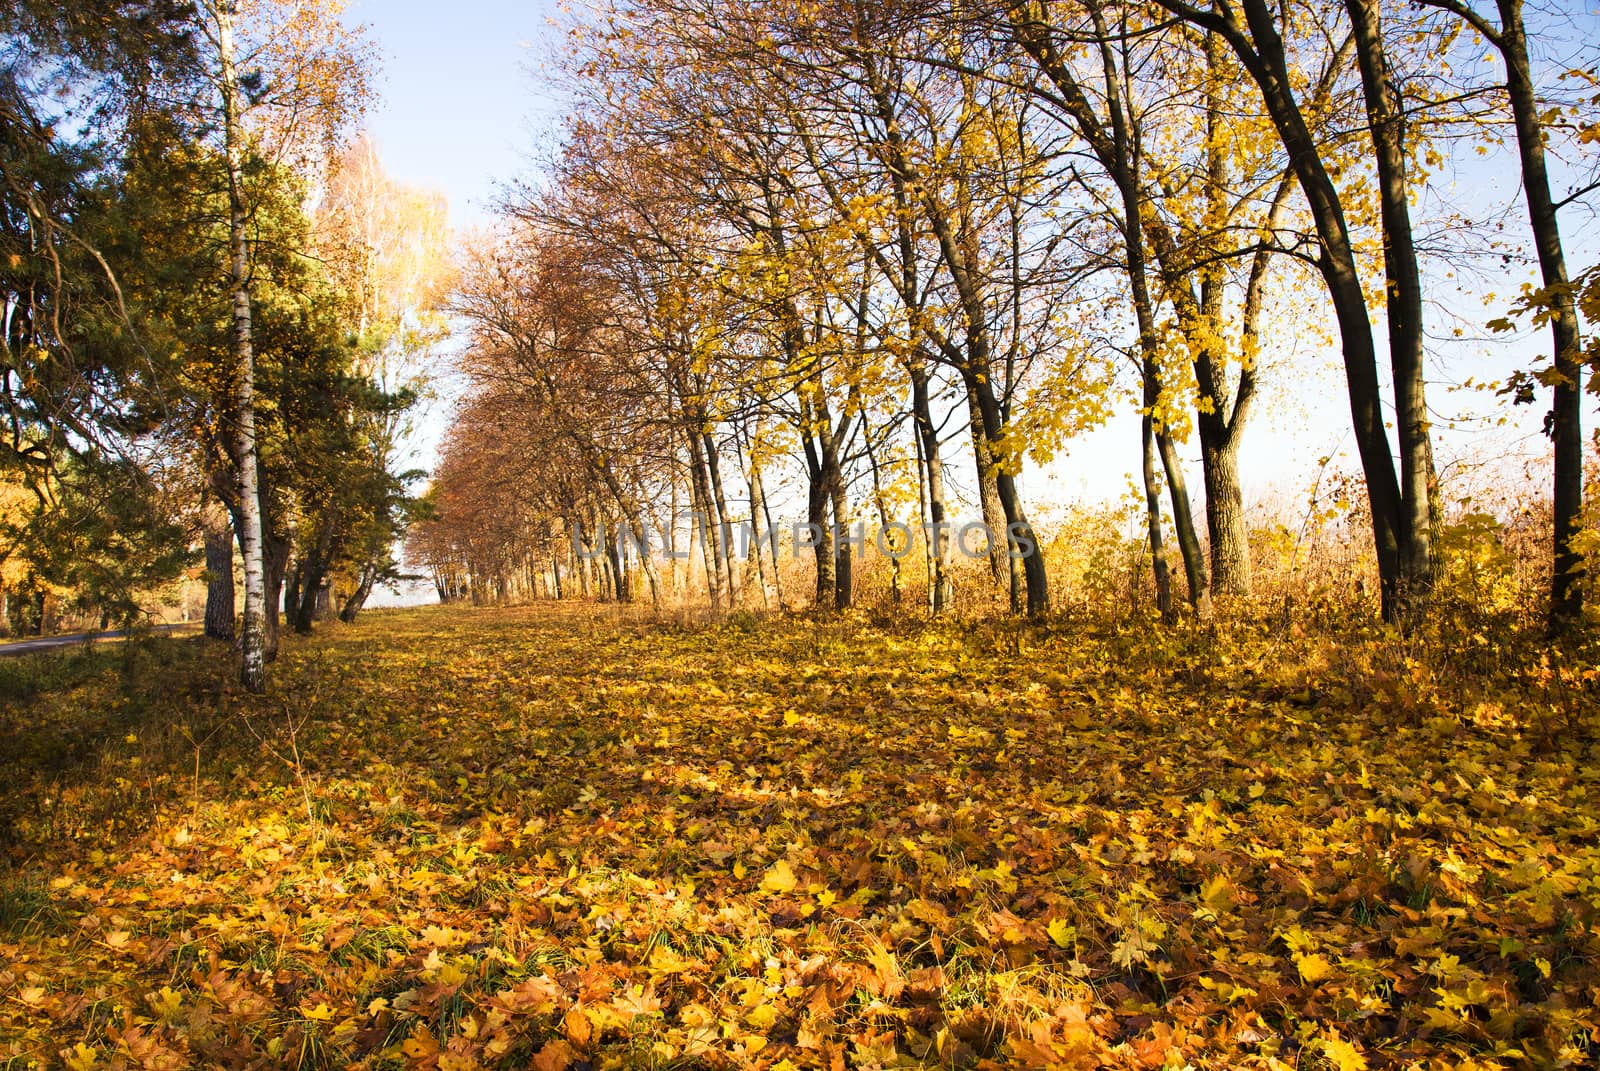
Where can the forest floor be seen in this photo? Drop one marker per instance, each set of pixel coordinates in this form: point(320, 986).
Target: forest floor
point(564, 838)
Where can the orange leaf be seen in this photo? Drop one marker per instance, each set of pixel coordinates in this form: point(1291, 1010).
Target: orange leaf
point(578, 1027)
point(556, 1056)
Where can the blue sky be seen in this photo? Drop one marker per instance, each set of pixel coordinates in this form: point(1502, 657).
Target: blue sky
point(461, 99)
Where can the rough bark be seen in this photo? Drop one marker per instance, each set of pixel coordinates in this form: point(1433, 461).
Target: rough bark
point(1152, 504)
point(709, 523)
point(219, 574)
point(1225, 516)
point(275, 561)
point(933, 467)
point(723, 532)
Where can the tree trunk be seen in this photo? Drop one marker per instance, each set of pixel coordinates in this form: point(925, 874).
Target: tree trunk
point(844, 589)
point(1385, 115)
point(724, 534)
point(219, 574)
point(1152, 503)
point(1018, 534)
point(255, 645)
point(310, 575)
point(758, 494)
point(822, 549)
point(618, 570)
point(291, 591)
point(817, 500)
point(1566, 413)
point(758, 539)
point(671, 537)
point(1194, 562)
point(276, 561)
point(895, 582)
point(988, 491)
point(831, 471)
point(585, 585)
point(1225, 517)
point(358, 598)
point(708, 522)
point(938, 518)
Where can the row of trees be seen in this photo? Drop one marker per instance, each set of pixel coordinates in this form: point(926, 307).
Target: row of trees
point(214, 308)
point(856, 236)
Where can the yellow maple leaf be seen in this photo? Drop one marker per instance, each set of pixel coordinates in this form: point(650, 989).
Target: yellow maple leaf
point(1062, 932)
point(167, 1003)
point(80, 1057)
point(779, 879)
point(1314, 968)
point(1343, 1055)
point(1218, 895)
point(666, 961)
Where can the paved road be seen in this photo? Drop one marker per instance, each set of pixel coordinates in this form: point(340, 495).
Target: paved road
point(50, 643)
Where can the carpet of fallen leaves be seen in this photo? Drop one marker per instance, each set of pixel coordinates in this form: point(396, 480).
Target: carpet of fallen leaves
point(560, 839)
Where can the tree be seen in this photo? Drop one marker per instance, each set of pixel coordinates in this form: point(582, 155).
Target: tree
point(1400, 505)
point(1182, 213)
point(102, 533)
point(387, 247)
point(1555, 299)
point(80, 391)
point(282, 79)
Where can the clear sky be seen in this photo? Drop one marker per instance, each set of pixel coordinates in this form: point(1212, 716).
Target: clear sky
point(461, 99)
